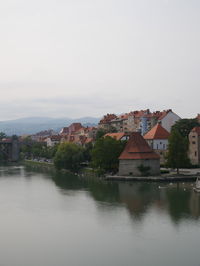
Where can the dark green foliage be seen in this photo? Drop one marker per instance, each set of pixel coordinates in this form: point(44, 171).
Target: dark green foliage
point(177, 154)
point(2, 135)
point(87, 152)
point(144, 170)
point(101, 132)
point(68, 156)
point(32, 149)
point(184, 126)
point(106, 152)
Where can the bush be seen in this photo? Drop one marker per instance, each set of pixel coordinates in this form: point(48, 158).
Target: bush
point(144, 170)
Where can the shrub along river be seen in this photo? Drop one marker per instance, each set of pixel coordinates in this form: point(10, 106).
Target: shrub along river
point(52, 219)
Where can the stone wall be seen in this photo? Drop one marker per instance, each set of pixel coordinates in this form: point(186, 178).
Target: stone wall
point(194, 148)
point(130, 167)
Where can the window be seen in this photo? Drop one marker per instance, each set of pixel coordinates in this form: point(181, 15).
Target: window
point(193, 142)
point(195, 154)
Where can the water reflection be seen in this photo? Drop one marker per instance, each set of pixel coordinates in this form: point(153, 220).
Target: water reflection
point(177, 200)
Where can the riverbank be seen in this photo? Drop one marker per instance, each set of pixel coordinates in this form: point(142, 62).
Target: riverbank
point(175, 178)
point(187, 175)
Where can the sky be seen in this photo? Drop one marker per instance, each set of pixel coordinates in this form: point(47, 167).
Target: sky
point(75, 58)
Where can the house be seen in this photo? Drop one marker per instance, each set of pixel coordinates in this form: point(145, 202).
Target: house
point(137, 154)
point(194, 146)
point(64, 131)
point(118, 136)
point(198, 118)
point(105, 122)
point(74, 127)
point(168, 119)
point(40, 136)
point(157, 138)
point(139, 121)
point(53, 140)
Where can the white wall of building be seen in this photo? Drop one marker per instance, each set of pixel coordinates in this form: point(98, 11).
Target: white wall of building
point(160, 144)
point(169, 120)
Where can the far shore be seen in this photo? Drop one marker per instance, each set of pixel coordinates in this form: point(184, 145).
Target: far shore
point(186, 175)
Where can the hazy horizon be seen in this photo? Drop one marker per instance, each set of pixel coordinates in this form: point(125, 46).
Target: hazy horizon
point(76, 58)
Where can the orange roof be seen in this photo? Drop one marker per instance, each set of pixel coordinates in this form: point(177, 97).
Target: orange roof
point(116, 136)
point(197, 130)
point(107, 118)
point(137, 148)
point(157, 132)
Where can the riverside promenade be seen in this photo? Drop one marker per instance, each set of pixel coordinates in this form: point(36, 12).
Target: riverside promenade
point(184, 175)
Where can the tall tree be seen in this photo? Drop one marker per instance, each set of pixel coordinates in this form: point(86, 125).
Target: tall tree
point(2, 135)
point(177, 155)
point(184, 126)
point(106, 152)
point(68, 156)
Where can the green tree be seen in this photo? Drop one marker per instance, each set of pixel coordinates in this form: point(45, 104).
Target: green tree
point(68, 156)
point(2, 135)
point(101, 132)
point(177, 154)
point(184, 126)
point(87, 152)
point(106, 152)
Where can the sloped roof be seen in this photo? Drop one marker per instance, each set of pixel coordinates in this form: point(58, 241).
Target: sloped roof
point(197, 130)
point(137, 148)
point(157, 132)
point(116, 136)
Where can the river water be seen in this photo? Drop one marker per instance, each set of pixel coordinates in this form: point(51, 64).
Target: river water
point(63, 220)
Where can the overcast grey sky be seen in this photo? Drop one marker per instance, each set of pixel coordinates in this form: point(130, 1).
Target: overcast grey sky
point(88, 57)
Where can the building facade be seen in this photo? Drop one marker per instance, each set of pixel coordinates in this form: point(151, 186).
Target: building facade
point(157, 138)
point(136, 156)
point(194, 146)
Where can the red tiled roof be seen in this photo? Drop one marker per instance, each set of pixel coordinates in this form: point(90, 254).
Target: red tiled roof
point(64, 130)
point(137, 148)
point(157, 132)
point(164, 113)
point(116, 136)
point(197, 130)
point(107, 118)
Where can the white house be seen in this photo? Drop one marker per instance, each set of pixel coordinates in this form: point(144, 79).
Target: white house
point(157, 138)
point(168, 119)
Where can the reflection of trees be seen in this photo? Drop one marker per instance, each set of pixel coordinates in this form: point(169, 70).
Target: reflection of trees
point(183, 202)
point(178, 203)
point(178, 200)
point(103, 191)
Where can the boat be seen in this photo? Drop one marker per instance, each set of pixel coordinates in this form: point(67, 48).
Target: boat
point(197, 185)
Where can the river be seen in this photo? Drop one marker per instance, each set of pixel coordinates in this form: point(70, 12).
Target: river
point(51, 219)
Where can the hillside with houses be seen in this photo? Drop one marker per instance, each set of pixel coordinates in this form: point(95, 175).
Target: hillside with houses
point(145, 132)
point(145, 135)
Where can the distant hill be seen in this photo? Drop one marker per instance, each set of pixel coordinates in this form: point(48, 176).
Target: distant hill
point(32, 125)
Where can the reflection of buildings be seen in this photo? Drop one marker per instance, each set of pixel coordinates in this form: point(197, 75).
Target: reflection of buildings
point(177, 199)
point(195, 204)
point(139, 197)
